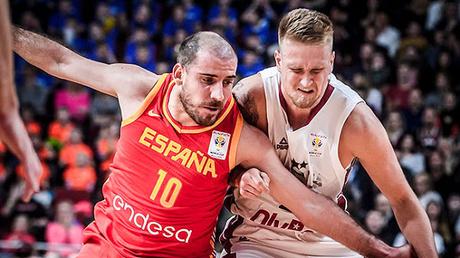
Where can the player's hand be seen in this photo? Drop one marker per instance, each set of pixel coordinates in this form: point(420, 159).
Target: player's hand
point(33, 170)
point(405, 251)
point(253, 183)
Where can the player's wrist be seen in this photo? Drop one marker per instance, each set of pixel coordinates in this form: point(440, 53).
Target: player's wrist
point(375, 248)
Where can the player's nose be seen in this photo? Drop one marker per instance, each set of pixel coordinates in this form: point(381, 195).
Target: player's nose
point(217, 93)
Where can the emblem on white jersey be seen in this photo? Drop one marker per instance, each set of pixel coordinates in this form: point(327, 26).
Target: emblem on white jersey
point(218, 146)
point(317, 142)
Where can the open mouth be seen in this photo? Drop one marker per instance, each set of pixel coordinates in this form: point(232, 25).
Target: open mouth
point(306, 91)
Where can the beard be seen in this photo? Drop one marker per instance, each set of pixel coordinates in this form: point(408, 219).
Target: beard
point(193, 110)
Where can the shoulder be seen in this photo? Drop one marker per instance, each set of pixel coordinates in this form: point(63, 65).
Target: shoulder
point(250, 95)
point(362, 128)
point(138, 83)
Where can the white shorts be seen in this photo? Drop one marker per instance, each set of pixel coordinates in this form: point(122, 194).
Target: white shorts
point(249, 249)
point(248, 239)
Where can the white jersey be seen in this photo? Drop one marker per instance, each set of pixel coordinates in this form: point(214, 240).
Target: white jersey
point(311, 154)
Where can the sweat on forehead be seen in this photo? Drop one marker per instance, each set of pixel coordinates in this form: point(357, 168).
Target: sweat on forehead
point(207, 41)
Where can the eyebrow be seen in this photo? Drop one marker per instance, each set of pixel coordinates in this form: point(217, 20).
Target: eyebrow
point(214, 76)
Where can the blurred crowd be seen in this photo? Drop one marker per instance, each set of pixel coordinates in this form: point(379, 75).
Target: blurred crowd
point(403, 57)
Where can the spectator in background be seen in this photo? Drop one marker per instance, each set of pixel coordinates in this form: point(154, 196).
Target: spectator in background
point(376, 224)
point(382, 205)
point(66, 10)
point(251, 64)
point(449, 115)
point(75, 99)
point(31, 93)
point(423, 187)
point(257, 19)
point(370, 93)
point(20, 238)
point(64, 233)
point(70, 150)
point(409, 155)
point(441, 87)
point(379, 72)
point(430, 131)
point(387, 36)
point(437, 169)
point(143, 18)
point(413, 113)
point(436, 214)
point(395, 127)
point(81, 176)
point(104, 109)
point(407, 79)
point(139, 38)
point(413, 37)
point(175, 23)
point(59, 130)
point(434, 14)
point(144, 57)
point(193, 13)
point(106, 146)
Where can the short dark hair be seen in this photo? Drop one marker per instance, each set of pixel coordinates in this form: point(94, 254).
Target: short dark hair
point(188, 49)
point(211, 41)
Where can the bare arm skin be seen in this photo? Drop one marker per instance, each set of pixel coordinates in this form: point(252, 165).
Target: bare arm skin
point(12, 129)
point(314, 210)
point(364, 137)
point(250, 95)
point(129, 83)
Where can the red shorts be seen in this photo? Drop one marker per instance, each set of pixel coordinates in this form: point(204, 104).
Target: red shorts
point(95, 245)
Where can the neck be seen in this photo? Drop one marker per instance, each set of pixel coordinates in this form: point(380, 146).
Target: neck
point(297, 117)
point(177, 110)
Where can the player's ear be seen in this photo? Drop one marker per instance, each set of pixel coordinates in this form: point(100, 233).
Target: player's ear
point(178, 73)
point(277, 56)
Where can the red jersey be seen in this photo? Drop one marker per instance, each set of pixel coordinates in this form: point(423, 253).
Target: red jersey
point(167, 181)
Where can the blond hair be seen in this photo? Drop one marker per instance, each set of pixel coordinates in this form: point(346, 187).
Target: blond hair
point(306, 26)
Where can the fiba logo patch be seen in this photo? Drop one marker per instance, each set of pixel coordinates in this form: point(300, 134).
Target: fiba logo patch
point(317, 142)
point(220, 141)
point(218, 145)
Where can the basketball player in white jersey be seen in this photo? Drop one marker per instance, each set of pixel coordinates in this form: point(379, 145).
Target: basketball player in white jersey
point(318, 126)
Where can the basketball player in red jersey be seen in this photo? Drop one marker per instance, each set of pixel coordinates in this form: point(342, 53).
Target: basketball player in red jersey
point(180, 136)
point(12, 129)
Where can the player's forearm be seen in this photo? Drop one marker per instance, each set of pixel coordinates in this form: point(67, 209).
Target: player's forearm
point(8, 100)
point(14, 134)
point(415, 226)
point(40, 51)
point(322, 215)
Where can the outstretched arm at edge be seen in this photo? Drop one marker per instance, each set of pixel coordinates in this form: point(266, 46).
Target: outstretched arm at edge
point(12, 129)
point(129, 83)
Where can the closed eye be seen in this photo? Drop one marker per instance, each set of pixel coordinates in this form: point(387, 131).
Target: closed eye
point(316, 71)
point(294, 70)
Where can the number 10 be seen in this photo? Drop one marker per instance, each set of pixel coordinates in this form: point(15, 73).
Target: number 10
point(170, 191)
